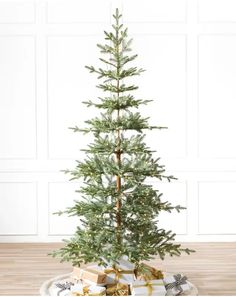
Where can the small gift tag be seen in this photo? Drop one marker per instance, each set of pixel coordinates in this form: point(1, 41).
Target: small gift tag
point(176, 284)
point(148, 288)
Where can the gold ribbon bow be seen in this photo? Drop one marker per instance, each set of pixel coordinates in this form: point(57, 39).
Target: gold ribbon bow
point(156, 274)
point(148, 273)
point(117, 290)
point(86, 292)
point(149, 286)
point(117, 271)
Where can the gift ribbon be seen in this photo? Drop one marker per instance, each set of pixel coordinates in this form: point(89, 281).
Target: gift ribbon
point(179, 280)
point(149, 286)
point(87, 292)
point(63, 287)
point(157, 274)
point(117, 271)
point(117, 290)
point(151, 273)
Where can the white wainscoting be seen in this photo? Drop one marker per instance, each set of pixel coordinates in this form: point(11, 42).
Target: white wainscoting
point(188, 49)
point(18, 99)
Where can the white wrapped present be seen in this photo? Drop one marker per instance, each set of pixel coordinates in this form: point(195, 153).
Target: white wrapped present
point(125, 264)
point(87, 290)
point(122, 263)
point(114, 274)
point(176, 284)
point(118, 275)
point(153, 287)
point(122, 271)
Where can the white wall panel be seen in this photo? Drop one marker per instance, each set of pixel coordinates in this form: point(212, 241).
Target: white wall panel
point(217, 93)
point(188, 49)
point(164, 58)
point(216, 11)
point(176, 194)
point(83, 11)
point(217, 207)
point(17, 93)
point(155, 11)
point(67, 56)
point(61, 196)
point(18, 211)
point(17, 12)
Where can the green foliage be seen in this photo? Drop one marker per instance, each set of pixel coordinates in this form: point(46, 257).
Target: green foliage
point(118, 210)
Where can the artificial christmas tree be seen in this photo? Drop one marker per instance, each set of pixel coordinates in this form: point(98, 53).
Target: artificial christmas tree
point(119, 209)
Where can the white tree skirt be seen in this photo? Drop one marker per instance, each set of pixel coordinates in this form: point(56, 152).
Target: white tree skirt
point(48, 287)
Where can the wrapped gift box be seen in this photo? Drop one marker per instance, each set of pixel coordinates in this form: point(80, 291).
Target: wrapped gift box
point(148, 288)
point(147, 272)
point(176, 284)
point(118, 275)
point(117, 290)
point(93, 275)
point(111, 275)
point(87, 290)
point(122, 271)
point(124, 263)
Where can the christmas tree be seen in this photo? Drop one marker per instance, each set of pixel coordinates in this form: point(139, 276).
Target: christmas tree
point(119, 210)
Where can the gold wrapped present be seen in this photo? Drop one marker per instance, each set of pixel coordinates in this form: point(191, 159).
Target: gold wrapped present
point(92, 274)
point(146, 272)
point(148, 288)
point(117, 290)
point(87, 290)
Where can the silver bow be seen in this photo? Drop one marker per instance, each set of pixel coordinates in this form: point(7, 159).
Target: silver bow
point(179, 280)
point(63, 287)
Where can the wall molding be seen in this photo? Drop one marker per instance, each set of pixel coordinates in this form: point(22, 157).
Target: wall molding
point(35, 183)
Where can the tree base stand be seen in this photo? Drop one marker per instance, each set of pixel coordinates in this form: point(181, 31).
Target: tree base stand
point(48, 288)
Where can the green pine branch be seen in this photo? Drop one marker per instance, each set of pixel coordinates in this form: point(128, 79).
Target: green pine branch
point(106, 124)
point(96, 166)
point(112, 104)
point(111, 75)
point(108, 145)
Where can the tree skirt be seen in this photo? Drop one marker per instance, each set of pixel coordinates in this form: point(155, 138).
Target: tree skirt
point(48, 288)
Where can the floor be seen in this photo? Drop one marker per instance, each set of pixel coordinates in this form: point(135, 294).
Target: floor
point(24, 267)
